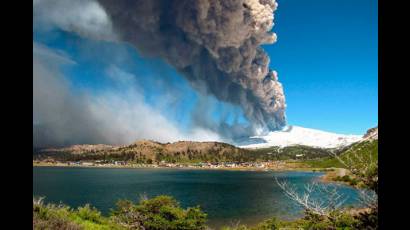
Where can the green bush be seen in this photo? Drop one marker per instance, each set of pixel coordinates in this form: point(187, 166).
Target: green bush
point(161, 212)
point(367, 220)
point(52, 217)
point(164, 212)
point(270, 224)
point(89, 213)
point(348, 179)
point(336, 220)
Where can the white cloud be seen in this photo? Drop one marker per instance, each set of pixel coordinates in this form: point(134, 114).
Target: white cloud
point(84, 17)
point(53, 57)
point(61, 117)
point(120, 76)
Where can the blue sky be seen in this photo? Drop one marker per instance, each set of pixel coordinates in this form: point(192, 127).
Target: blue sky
point(326, 58)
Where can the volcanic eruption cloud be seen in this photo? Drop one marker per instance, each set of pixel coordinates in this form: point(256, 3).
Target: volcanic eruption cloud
point(215, 44)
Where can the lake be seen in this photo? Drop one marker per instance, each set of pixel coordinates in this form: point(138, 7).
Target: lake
point(227, 196)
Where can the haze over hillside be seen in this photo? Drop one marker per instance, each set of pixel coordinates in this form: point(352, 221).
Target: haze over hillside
point(291, 136)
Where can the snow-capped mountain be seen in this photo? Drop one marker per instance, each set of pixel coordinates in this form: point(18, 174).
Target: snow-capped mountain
point(371, 134)
point(296, 135)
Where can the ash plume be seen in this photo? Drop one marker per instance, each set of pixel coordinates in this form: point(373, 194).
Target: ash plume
point(215, 44)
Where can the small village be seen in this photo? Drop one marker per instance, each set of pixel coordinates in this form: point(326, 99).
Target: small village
point(266, 165)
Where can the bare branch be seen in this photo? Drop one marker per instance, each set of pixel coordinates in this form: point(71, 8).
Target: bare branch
point(38, 200)
point(320, 205)
point(143, 196)
point(368, 198)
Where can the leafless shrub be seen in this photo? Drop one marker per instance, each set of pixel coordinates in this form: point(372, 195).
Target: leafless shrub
point(320, 205)
point(363, 167)
point(143, 196)
point(38, 200)
point(368, 198)
point(128, 217)
point(235, 224)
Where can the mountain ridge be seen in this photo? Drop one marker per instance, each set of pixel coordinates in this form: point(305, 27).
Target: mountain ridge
point(296, 135)
point(206, 151)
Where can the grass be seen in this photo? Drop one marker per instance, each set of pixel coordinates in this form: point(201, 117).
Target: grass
point(61, 216)
point(367, 150)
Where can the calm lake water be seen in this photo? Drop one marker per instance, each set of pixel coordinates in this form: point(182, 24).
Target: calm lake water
point(227, 196)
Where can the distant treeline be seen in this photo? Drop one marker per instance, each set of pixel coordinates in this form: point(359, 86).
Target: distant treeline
point(220, 154)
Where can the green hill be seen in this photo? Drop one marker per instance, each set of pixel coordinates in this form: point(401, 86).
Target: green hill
point(182, 151)
point(362, 151)
point(146, 151)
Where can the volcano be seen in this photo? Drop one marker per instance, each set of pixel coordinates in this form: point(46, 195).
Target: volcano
point(296, 135)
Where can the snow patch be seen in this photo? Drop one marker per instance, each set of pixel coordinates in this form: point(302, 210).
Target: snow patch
point(296, 135)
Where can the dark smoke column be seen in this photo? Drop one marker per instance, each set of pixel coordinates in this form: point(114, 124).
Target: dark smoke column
point(215, 44)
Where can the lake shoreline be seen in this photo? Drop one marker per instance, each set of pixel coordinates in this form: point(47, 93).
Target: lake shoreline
point(253, 169)
point(329, 174)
